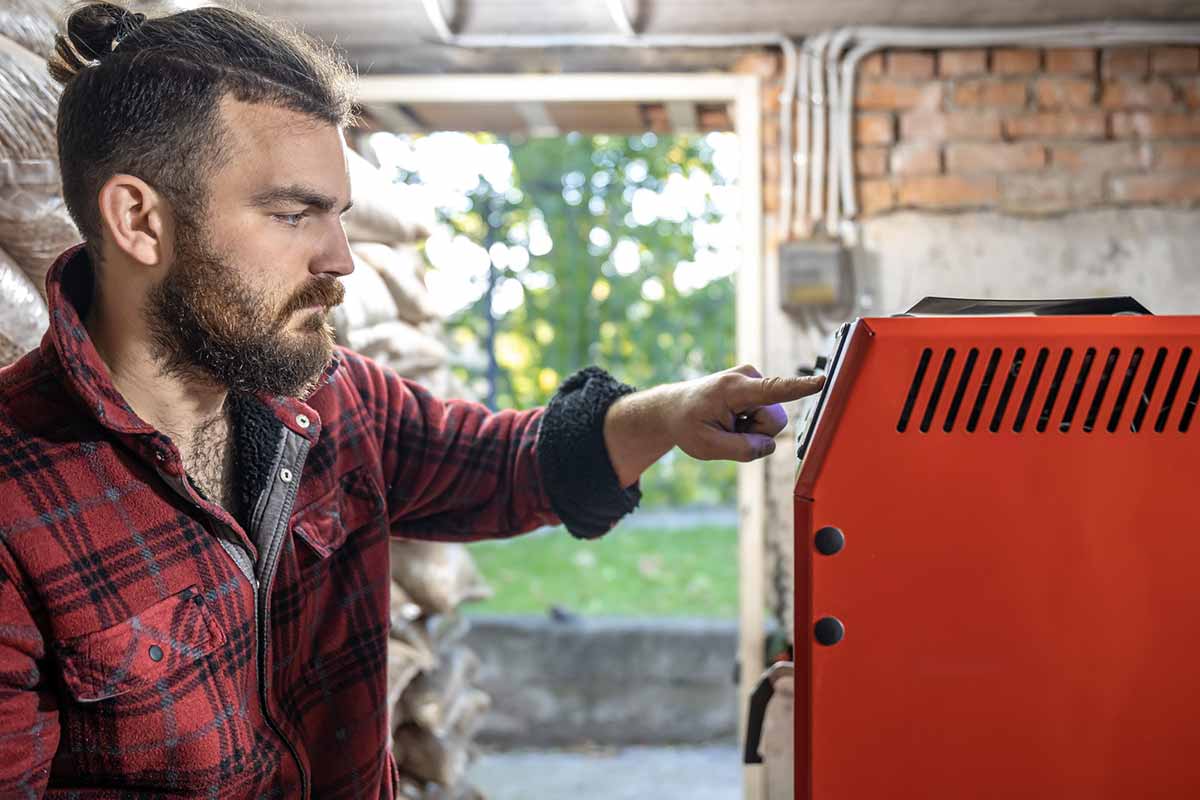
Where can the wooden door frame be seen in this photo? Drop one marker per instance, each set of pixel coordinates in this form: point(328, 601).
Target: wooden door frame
point(744, 92)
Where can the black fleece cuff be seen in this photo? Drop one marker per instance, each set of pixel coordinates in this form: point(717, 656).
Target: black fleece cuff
point(579, 476)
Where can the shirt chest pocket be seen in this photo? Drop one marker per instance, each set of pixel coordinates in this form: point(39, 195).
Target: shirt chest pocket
point(161, 640)
point(353, 508)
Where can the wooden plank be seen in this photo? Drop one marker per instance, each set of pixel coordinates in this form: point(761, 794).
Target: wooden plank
point(590, 117)
point(598, 87)
point(492, 117)
point(386, 57)
point(751, 347)
point(393, 118)
point(713, 117)
point(655, 116)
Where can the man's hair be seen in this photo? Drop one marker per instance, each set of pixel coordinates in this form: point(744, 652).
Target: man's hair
point(141, 96)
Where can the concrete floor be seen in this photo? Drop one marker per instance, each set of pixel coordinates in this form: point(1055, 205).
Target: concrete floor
point(633, 773)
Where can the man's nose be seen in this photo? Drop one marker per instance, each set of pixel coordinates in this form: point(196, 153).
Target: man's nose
point(335, 258)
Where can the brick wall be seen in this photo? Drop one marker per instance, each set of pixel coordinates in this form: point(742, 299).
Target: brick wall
point(1028, 131)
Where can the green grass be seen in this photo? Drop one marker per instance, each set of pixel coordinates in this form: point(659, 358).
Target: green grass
point(687, 572)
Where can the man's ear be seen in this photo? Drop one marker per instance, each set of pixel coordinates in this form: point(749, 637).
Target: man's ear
point(134, 217)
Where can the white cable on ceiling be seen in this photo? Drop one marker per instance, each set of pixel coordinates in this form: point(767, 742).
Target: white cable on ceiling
point(820, 108)
point(800, 165)
point(621, 17)
point(437, 18)
point(840, 52)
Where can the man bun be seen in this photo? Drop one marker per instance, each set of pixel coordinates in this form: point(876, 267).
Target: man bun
point(92, 32)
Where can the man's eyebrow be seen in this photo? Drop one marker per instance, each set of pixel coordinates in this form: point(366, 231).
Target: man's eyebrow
point(296, 193)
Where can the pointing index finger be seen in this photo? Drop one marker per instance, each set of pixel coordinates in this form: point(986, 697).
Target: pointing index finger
point(767, 391)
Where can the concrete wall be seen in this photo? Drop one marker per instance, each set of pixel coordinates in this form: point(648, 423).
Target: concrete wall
point(1150, 253)
point(605, 681)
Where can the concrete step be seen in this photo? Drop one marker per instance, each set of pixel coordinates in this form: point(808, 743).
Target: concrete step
point(711, 772)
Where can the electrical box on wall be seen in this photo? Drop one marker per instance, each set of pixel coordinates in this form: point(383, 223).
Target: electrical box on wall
point(813, 274)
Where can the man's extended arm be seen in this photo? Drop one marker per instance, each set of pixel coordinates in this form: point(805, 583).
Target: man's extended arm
point(455, 470)
point(733, 415)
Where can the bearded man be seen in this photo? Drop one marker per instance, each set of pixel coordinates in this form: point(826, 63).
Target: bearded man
point(197, 488)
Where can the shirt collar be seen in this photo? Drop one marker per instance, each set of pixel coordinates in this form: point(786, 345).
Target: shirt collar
point(68, 347)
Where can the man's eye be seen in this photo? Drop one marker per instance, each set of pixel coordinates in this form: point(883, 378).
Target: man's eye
point(290, 219)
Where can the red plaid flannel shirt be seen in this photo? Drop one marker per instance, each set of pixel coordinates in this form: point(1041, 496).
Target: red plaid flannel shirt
point(151, 643)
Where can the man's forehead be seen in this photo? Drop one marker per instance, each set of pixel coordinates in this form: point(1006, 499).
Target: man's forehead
point(272, 146)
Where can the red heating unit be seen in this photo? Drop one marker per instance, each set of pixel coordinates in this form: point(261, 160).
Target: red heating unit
point(997, 525)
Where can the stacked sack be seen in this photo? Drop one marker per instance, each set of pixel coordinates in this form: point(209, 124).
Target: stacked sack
point(388, 314)
point(34, 224)
point(434, 706)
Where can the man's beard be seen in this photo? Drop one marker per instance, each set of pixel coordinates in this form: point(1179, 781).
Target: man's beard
point(207, 323)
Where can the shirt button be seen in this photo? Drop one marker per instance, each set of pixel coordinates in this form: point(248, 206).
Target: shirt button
point(156, 653)
point(302, 420)
point(285, 475)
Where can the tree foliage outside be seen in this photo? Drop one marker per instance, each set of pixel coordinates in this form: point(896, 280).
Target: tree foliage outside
point(606, 250)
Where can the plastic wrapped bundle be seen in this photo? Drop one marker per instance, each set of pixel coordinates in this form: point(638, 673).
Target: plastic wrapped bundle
point(28, 105)
point(31, 23)
point(383, 211)
point(9, 351)
point(416, 637)
point(368, 322)
point(367, 302)
point(397, 345)
point(466, 712)
point(410, 789)
point(35, 226)
point(404, 664)
point(437, 759)
point(439, 576)
point(399, 269)
point(441, 759)
point(23, 315)
point(404, 611)
point(433, 701)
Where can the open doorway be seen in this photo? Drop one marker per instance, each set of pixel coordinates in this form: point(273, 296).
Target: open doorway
point(663, 135)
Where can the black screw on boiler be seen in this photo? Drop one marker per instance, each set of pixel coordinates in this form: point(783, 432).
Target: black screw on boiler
point(829, 631)
point(829, 540)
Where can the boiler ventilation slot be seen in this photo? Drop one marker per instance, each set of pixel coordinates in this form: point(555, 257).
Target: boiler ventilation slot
point(986, 373)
